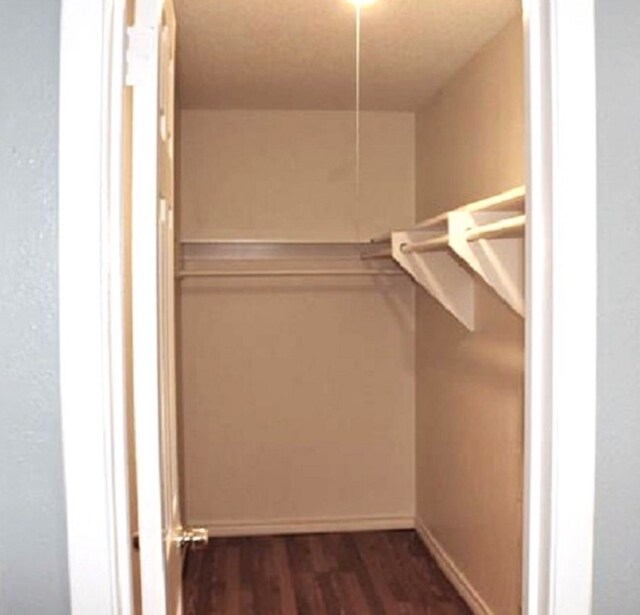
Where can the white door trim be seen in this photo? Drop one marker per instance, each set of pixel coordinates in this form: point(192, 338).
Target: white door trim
point(561, 318)
point(561, 324)
point(91, 302)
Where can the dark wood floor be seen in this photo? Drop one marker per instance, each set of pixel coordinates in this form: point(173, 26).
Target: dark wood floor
point(318, 574)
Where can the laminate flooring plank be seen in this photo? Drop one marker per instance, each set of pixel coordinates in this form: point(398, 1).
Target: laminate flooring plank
point(232, 586)
point(299, 554)
point(321, 559)
point(309, 596)
point(354, 562)
point(415, 589)
point(285, 578)
point(444, 597)
point(381, 572)
point(356, 600)
point(193, 581)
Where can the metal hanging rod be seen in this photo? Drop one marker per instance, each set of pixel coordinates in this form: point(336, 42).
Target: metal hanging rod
point(428, 245)
point(266, 273)
point(510, 200)
point(505, 201)
point(502, 229)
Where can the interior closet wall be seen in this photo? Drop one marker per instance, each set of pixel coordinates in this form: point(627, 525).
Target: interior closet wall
point(470, 144)
point(297, 395)
point(290, 174)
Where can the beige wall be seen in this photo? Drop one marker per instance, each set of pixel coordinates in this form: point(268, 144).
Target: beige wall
point(291, 174)
point(470, 144)
point(471, 134)
point(297, 395)
point(298, 401)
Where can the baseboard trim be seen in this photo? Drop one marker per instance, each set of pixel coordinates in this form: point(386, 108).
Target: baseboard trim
point(305, 526)
point(452, 572)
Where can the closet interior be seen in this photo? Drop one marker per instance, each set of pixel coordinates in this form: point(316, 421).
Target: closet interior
point(350, 276)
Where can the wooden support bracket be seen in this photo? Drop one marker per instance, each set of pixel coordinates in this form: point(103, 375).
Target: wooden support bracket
point(497, 259)
point(439, 273)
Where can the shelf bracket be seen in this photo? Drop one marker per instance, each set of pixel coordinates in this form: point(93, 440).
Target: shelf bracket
point(448, 253)
point(498, 261)
point(439, 273)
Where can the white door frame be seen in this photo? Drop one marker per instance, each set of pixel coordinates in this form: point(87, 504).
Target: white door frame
point(561, 302)
point(91, 288)
point(561, 307)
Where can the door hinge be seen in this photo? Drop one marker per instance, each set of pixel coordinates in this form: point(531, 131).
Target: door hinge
point(192, 537)
point(140, 50)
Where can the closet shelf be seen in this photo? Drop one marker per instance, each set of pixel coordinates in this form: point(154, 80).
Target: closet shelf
point(443, 253)
point(252, 250)
point(276, 242)
point(510, 201)
point(262, 273)
point(374, 254)
point(257, 259)
point(502, 229)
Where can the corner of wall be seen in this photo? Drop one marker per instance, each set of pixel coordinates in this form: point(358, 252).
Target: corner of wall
point(470, 386)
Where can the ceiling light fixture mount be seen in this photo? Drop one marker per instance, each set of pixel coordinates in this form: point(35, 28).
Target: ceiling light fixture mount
point(361, 3)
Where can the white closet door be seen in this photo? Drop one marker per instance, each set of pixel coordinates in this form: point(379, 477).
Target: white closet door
point(151, 72)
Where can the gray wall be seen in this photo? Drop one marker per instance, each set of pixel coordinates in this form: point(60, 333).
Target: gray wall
point(617, 523)
point(33, 560)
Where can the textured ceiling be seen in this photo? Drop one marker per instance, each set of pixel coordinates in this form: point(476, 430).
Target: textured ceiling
point(300, 54)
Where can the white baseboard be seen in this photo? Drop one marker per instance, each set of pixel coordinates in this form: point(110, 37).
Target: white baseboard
point(305, 526)
point(452, 572)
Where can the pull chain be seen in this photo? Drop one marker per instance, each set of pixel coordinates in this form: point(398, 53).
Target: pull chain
point(358, 9)
point(357, 203)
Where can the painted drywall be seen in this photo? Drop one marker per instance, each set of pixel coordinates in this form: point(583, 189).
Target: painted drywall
point(291, 174)
point(297, 396)
point(33, 553)
point(469, 414)
point(298, 404)
point(617, 502)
